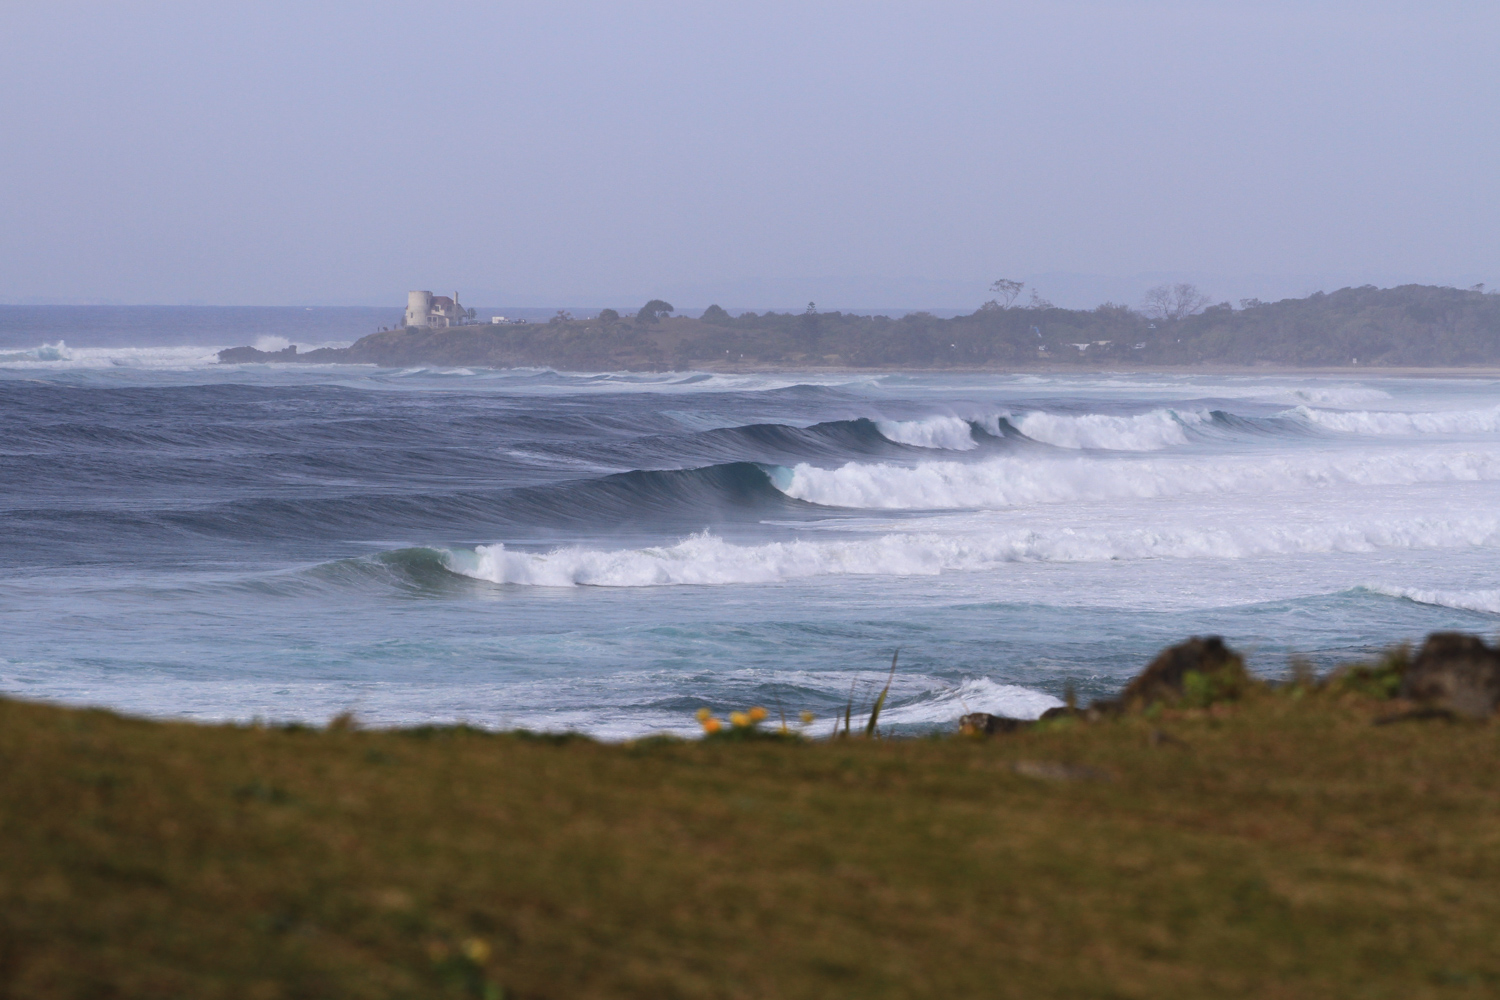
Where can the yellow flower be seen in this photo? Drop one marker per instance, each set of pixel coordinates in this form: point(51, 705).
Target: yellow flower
point(807, 718)
point(476, 951)
point(704, 714)
point(712, 725)
point(740, 719)
point(758, 714)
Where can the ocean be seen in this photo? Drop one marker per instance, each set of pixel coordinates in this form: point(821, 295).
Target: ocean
point(608, 552)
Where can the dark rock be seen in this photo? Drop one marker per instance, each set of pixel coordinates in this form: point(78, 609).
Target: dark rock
point(243, 355)
point(983, 722)
point(1096, 711)
point(1456, 672)
point(1220, 671)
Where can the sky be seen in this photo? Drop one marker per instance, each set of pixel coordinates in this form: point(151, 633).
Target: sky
point(757, 155)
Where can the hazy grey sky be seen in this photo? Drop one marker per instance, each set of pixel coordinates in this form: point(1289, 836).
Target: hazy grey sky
point(754, 154)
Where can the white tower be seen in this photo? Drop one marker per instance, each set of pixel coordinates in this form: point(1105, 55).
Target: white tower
point(418, 308)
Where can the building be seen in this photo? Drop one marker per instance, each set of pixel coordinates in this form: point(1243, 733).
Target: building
point(426, 309)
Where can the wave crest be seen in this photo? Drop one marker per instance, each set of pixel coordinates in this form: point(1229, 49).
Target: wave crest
point(1487, 601)
point(947, 433)
point(1151, 431)
point(1395, 423)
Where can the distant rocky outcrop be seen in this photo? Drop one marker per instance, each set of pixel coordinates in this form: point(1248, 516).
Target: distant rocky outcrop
point(1455, 672)
point(249, 355)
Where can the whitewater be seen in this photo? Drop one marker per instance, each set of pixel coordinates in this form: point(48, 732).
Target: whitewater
point(607, 552)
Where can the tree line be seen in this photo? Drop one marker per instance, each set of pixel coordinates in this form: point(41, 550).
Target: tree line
point(1417, 325)
point(1176, 324)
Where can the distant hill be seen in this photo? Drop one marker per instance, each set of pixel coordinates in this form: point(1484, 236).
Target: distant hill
point(1412, 325)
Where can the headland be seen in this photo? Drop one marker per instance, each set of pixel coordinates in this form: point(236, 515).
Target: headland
point(1412, 327)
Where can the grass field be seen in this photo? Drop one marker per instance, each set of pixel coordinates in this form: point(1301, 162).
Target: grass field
point(1277, 847)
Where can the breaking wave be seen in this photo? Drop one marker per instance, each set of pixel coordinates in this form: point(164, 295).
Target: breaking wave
point(707, 560)
point(948, 433)
point(46, 352)
point(1395, 423)
point(1487, 601)
point(1011, 481)
point(61, 356)
point(1143, 432)
point(975, 694)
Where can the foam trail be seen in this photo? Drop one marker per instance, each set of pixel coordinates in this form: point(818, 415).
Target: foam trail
point(1379, 423)
point(706, 560)
point(947, 433)
point(1142, 432)
point(1464, 600)
point(1016, 481)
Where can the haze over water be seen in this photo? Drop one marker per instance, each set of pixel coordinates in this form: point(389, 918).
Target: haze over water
point(607, 552)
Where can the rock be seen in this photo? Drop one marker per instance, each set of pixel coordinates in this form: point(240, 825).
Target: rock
point(983, 722)
point(1456, 672)
point(249, 355)
point(1220, 674)
point(1096, 711)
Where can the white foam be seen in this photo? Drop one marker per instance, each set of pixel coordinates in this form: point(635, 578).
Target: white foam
point(707, 560)
point(1142, 432)
point(1014, 481)
point(947, 433)
point(1395, 423)
point(46, 352)
point(61, 357)
point(1464, 600)
point(976, 694)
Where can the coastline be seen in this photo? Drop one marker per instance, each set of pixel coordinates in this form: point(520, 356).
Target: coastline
point(1411, 329)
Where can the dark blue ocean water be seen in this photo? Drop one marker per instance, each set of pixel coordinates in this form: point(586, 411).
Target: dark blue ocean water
point(609, 552)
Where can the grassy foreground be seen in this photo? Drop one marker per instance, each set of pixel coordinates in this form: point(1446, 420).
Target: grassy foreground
point(1276, 847)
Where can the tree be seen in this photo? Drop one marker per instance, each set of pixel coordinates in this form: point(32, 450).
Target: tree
point(809, 326)
point(1174, 302)
point(715, 314)
point(654, 310)
point(608, 316)
point(1037, 302)
point(1005, 291)
point(563, 316)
